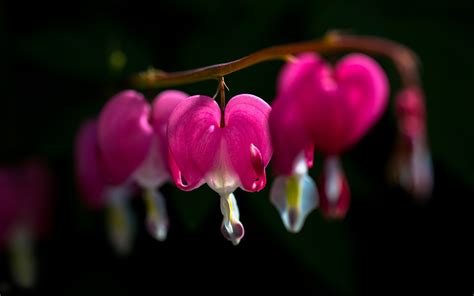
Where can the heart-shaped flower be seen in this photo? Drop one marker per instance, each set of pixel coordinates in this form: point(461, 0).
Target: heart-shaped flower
point(224, 157)
point(411, 165)
point(133, 144)
point(326, 109)
point(97, 191)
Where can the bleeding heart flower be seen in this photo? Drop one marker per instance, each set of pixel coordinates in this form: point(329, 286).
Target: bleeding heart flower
point(98, 192)
point(330, 110)
point(25, 212)
point(133, 144)
point(411, 165)
point(225, 157)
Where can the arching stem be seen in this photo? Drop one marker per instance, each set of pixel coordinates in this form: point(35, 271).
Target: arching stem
point(405, 60)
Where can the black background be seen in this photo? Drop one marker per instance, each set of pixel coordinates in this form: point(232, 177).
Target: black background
point(55, 73)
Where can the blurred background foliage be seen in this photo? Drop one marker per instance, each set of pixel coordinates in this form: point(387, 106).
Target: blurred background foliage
point(60, 62)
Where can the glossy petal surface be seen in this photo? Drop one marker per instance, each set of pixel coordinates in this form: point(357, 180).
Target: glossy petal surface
point(225, 157)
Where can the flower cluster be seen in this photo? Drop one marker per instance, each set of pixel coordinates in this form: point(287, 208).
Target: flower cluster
point(192, 140)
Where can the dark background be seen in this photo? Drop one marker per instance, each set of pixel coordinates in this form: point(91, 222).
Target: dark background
point(55, 72)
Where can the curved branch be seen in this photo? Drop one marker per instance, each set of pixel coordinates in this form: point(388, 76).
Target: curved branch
point(405, 60)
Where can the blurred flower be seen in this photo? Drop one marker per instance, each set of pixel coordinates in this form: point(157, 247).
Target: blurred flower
point(411, 164)
point(133, 144)
point(225, 157)
point(98, 192)
point(25, 215)
point(328, 110)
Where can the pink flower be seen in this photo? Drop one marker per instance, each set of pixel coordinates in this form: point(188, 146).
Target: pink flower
point(411, 165)
point(133, 143)
point(330, 110)
point(225, 157)
point(25, 210)
point(97, 190)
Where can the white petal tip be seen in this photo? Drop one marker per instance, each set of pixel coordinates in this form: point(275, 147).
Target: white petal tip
point(158, 230)
point(231, 227)
point(157, 216)
point(294, 197)
point(233, 232)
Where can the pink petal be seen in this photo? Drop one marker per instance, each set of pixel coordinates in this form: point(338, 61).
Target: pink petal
point(36, 190)
point(345, 104)
point(293, 70)
point(9, 204)
point(194, 140)
point(364, 85)
point(125, 134)
point(199, 146)
point(25, 199)
point(247, 139)
point(411, 112)
point(89, 172)
point(289, 135)
point(337, 108)
point(163, 105)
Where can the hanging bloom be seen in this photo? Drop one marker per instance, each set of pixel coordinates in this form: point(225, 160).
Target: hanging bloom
point(98, 192)
point(133, 144)
point(25, 205)
point(226, 156)
point(329, 110)
point(411, 165)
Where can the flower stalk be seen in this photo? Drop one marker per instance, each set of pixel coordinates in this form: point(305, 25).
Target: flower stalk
point(404, 59)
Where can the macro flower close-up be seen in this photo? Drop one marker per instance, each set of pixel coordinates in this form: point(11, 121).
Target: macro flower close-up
point(307, 147)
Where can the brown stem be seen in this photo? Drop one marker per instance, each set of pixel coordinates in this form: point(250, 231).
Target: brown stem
point(405, 60)
point(222, 87)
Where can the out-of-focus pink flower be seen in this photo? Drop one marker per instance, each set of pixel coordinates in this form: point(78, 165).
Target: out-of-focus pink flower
point(134, 148)
point(411, 165)
point(25, 214)
point(225, 157)
point(328, 109)
point(97, 190)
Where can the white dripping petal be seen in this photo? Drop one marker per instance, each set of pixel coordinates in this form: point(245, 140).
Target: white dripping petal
point(333, 179)
point(422, 170)
point(120, 220)
point(21, 256)
point(295, 196)
point(231, 227)
point(223, 180)
point(157, 216)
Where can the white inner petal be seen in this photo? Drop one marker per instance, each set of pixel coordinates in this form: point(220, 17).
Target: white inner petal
point(223, 179)
point(300, 166)
point(295, 196)
point(421, 170)
point(120, 220)
point(21, 255)
point(157, 215)
point(333, 179)
point(152, 172)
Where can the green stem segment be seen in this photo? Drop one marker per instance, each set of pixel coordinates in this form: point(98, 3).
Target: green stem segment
point(405, 60)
